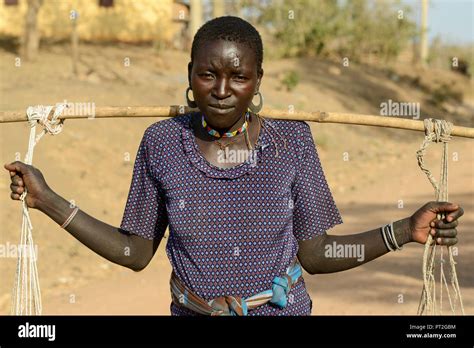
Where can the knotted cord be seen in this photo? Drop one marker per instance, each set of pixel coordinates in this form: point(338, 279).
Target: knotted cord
point(437, 131)
point(26, 298)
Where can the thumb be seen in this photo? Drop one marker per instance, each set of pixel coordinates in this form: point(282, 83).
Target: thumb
point(16, 166)
point(441, 207)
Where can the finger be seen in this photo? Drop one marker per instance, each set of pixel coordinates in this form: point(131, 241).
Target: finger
point(455, 215)
point(16, 189)
point(449, 233)
point(446, 241)
point(14, 196)
point(443, 225)
point(16, 180)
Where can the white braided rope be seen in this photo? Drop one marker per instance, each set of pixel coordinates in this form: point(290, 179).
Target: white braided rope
point(26, 297)
point(437, 131)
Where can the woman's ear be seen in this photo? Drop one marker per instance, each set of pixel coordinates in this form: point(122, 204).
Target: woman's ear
point(259, 80)
point(190, 69)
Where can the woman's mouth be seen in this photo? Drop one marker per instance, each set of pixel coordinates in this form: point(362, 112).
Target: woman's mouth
point(221, 109)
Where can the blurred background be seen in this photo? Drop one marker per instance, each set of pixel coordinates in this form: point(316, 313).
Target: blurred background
point(336, 56)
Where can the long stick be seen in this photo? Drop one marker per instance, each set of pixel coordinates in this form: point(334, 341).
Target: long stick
point(316, 116)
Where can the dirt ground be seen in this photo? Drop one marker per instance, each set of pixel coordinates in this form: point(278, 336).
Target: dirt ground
point(91, 162)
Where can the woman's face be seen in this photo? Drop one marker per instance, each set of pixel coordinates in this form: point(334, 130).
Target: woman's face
point(224, 79)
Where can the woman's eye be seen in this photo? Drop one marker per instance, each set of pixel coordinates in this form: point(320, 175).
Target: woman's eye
point(206, 75)
point(241, 77)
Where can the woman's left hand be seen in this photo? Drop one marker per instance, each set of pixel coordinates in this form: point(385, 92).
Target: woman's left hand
point(425, 221)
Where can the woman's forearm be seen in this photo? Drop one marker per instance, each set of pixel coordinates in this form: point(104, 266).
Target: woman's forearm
point(102, 238)
point(329, 253)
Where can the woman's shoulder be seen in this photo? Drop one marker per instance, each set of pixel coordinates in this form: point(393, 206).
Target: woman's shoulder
point(167, 129)
point(289, 125)
point(294, 130)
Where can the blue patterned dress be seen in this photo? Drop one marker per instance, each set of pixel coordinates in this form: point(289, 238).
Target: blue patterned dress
point(231, 230)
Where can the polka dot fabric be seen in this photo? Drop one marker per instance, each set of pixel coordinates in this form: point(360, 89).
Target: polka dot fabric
point(232, 230)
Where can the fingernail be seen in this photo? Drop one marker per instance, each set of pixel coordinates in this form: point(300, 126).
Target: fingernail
point(439, 240)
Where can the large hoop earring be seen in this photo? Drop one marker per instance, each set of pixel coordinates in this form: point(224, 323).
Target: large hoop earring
point(191, 103)
point(256, 108)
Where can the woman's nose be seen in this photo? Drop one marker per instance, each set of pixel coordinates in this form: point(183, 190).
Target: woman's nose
point(221, 88)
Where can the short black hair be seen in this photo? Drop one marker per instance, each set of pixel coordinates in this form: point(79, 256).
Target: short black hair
point(229, 28)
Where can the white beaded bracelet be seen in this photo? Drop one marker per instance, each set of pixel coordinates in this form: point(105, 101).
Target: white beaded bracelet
point(387, 244)
point(392, 232)
point(389, 239)
point(69, 219)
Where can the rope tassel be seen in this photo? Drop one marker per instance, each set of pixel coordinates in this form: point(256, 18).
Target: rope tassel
point(26, 297)
point(437, 131)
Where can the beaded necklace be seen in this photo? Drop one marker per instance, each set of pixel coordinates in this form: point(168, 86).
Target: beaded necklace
point(216, 134)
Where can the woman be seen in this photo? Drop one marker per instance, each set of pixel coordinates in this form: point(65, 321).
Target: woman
point(241, 228)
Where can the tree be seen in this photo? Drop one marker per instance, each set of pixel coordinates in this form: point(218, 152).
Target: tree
point(196, 17)
point(424, 30)
point(357, 29)
point(31, 35)
point(218, 8)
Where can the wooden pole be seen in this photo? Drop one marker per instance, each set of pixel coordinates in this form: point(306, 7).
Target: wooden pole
point(316, 116)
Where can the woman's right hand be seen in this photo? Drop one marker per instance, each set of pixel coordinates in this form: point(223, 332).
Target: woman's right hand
point(26, 176)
